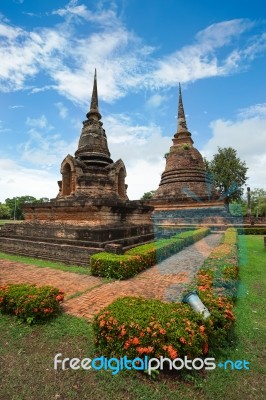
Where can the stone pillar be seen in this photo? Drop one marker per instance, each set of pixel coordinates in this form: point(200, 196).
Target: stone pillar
point(249, 203)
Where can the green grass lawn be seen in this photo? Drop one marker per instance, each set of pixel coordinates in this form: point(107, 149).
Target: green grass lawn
point(46, 264)
point(27, 352)
point(9, 221)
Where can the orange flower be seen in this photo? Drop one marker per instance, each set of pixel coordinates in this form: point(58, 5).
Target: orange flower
point(127, 345)
point(142, 350)
point(135, 341)
point(149, 349)
point(202, 329)
point(172, 354)
point(205, 348)
point(162, 331)
point(183, 340)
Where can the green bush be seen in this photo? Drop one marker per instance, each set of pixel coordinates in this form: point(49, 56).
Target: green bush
point(142, 257)
point(29, 302)
point(137, 327)
point(252, 231)
point(115, 266)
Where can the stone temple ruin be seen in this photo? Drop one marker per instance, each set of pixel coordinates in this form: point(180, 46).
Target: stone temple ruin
point(92, 213)
point(186, 196)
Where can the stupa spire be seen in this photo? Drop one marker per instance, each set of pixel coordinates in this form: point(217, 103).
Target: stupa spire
point(94, 108)
point(182, 124)
point(93, 147)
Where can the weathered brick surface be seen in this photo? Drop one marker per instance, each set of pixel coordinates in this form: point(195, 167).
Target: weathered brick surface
point(71, 283)
point(50, 251)
point(184, 179)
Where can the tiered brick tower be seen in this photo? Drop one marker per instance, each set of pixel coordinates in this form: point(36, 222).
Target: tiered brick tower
point(186, 195)
point(92, 173)
point(184, 178)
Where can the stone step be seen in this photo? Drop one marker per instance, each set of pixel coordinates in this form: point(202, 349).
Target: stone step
point(128, 241)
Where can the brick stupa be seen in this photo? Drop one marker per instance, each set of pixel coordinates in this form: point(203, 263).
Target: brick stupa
point(91, 212)
point(186, 195)
point(92, 173)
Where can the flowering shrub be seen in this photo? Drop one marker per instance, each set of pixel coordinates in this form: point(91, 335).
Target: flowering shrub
point(216, 284)
point(29, 302)
point(142, 257)
point(221, 267)
point(137, 327)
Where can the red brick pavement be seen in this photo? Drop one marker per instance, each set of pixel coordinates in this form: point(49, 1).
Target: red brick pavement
point(69, 282)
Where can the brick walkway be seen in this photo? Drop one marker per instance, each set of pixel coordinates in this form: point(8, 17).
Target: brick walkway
point(164, 281)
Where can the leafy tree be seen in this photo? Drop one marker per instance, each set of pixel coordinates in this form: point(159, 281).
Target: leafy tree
point(258, 201)
point(262, 208)
point(43, 200)
point(238, 208)
point(147, 195)
point(5, 211)
point(228, 172)
point(15, 205)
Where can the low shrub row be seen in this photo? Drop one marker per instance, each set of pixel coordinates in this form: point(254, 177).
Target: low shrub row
point(136, 327)
point(29, 302)
point(142, 257)
point(252, 231)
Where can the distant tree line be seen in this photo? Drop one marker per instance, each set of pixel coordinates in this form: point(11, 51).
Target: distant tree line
point(12, 207)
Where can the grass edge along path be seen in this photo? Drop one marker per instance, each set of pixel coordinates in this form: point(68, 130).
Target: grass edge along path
point(37, 262)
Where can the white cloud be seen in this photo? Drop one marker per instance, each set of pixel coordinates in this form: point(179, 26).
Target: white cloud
point(16, 106)
point(202, 59)
point(141, 147)
point(44, 148)
point(102, 17)
point(257, 110)
point(124, 63)
point(18, 181)
point(155, 101)
point(63, 111)
point(247, 134)
point(143, 176)
point(37, 122)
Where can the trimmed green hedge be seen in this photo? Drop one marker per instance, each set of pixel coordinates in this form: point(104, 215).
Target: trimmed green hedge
point(136, 327)
point(29, 302)
point(143, 256)
point(252, 231)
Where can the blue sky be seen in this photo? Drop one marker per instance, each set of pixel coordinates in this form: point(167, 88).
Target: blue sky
point(141, 49)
